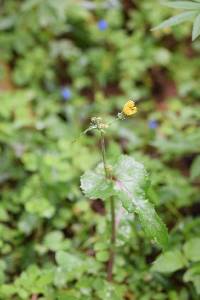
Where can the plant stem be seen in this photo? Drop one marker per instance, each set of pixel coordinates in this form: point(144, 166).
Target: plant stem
point(112, 212)
point(103, 151)
point(112, 241)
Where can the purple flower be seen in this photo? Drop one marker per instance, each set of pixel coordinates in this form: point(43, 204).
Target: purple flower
point(153, 124)
point(102, 25)
point(66, 93)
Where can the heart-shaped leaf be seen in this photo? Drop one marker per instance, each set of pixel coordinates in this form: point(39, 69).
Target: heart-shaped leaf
point(129, 186)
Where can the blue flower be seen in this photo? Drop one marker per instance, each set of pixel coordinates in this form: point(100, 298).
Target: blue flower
point(153, 124)
point(102, 25)
point(66, 93)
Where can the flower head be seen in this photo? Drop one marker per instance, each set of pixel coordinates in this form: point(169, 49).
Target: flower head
point(129, 108)
point(153, 124)
point(66, 93)
point(102, 25)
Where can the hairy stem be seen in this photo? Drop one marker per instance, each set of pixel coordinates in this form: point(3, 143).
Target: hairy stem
point(112, 213)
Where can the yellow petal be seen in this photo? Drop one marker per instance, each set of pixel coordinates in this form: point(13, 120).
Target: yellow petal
point(129, 108)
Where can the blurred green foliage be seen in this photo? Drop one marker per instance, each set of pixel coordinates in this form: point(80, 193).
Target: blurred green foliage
point(62, 62)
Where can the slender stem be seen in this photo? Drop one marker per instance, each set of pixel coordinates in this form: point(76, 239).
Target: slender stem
point(113, 240)
point(112, 212)
point(103, 151)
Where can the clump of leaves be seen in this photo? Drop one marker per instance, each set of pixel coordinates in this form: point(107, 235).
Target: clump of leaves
point(176, 259)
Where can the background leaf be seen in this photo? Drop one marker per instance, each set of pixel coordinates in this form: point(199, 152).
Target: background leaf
point(178, 19)
point(192, 249)
point(183, 4)
point(196, 28)
point(68, 261)
point(193, 275)
point(169, 262)
point(195, 168)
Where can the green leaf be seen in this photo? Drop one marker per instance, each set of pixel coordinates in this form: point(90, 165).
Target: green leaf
point(185, 16)
point(60, 278)
point(192, 249)
point(196, 28)
point(131, 178)
point(193, 275)
point(95, 185)
point(28, 5)
point(68, 261)
point(71, 266)
point(100, 246)
point(109, 291)
point(53, 240)
point(195, 168)
point(102, 256)
point(7, 23)
point(183, 4)
point(169, 262)
point(131, 185)
point(152, 224)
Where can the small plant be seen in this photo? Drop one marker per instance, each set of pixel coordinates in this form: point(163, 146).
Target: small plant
point(123, 184)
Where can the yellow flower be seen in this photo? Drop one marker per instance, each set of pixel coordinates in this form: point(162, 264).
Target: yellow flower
point(129, 108)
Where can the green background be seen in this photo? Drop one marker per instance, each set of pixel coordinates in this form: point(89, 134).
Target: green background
point(60, 65)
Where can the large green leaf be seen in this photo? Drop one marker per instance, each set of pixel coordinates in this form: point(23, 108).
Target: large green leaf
point(130, 186)
point(131, 181)
point(169, 262)
point(95, 185)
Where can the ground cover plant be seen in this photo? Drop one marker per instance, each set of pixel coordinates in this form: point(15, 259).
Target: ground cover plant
point(68, 66)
